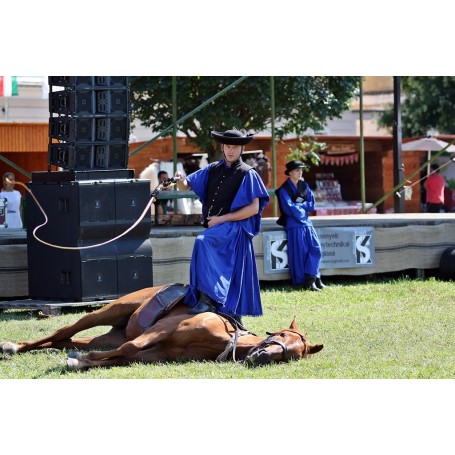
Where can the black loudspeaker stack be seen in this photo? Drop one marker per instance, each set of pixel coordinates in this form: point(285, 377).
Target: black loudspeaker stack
point(84, 213)
point(89, 122)
point(90, 200)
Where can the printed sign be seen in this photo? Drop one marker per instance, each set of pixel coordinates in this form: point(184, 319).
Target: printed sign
point(3, 208)
point(342, 247)
point(275, 246)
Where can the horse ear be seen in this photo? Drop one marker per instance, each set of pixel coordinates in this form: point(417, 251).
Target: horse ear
point(313, 348)
point(293, 325)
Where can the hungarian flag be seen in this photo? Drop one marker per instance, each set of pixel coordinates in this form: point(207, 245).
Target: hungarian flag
point(8, 86)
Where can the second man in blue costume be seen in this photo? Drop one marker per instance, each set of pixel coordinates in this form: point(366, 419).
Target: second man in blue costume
point(296, 202)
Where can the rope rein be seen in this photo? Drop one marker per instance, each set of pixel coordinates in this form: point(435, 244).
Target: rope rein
point(232, 343)
point(167, 183)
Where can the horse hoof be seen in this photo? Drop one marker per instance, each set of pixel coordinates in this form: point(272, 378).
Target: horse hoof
point(74, 355)
point(72, 364)
point(9, 348)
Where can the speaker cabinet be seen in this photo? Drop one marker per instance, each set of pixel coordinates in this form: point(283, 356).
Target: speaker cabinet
point(134, 265)
point(89, 129)
point(85, 156)
point(82, 214)
point(72, 175)
point(89, 82)
point(100, 273)
point(89, 102)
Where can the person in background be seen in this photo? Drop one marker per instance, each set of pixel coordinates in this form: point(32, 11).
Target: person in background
point(161, 204)
point(263, 168)
point(434, 186)
point(223, 274)
point(449, 200)
point(296, 201)
point(13, 197)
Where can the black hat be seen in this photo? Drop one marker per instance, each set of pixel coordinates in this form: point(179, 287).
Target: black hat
point(233, 137)
point(294, 164)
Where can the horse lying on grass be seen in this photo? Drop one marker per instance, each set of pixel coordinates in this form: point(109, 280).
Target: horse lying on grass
point(153, 325)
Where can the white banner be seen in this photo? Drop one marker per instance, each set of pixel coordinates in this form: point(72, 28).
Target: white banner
point(342, 247)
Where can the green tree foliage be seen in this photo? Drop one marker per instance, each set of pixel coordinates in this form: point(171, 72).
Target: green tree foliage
point(300, 103)
point(428, 103)
point(307, 150)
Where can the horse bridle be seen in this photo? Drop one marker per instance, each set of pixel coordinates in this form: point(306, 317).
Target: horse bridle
point(270, 340)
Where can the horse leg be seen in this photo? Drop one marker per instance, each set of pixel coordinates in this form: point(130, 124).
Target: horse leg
point(110, 340)
point(114, 314)
point(158, 332)
point(154, 354)
point(75, 363)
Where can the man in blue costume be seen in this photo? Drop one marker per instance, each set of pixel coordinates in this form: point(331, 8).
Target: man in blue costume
point(296, 201)
point(223, 274)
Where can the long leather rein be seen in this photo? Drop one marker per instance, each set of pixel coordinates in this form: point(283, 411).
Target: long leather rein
point(153, 196)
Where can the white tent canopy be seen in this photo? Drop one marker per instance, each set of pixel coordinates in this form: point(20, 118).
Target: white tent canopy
point(429, 144)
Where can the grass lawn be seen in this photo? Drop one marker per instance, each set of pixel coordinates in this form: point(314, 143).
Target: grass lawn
point(334, 402)
point(396, 328)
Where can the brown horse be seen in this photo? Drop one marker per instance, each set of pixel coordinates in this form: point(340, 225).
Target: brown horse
point(153, 325)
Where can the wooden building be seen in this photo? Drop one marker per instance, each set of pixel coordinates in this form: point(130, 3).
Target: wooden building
point(26, 144)
point(342, 159)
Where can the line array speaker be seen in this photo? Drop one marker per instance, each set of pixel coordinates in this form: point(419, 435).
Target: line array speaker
point(89, 156)
point(90, 102)
point(89, 122)
point(89, 129)
point(89, 82)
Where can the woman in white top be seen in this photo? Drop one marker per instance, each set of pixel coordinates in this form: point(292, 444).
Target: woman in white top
point(13, 197)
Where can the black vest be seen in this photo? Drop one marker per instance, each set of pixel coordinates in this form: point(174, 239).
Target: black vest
point(301, 192)
point(223, 184)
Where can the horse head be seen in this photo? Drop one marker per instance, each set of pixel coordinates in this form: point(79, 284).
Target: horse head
point(282, 346)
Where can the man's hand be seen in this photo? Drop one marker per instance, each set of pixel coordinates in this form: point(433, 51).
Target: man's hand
point(214, 220)
point(238, 215)
point(182, 183)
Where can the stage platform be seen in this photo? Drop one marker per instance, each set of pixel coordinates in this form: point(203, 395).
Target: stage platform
point(401, 242)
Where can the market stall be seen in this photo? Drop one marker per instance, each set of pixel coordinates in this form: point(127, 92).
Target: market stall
point(329, 200)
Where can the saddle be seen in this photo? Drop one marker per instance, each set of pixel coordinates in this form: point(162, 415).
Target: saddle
point(162, 302)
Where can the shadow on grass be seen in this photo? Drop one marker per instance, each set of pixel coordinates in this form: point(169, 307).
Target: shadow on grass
point(347, 280)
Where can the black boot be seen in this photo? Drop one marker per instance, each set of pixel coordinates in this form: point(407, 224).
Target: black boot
point(204, 304)
point(310, 283)
point(319, 283)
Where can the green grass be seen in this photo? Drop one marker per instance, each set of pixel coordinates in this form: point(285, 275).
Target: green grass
point(384, 328)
